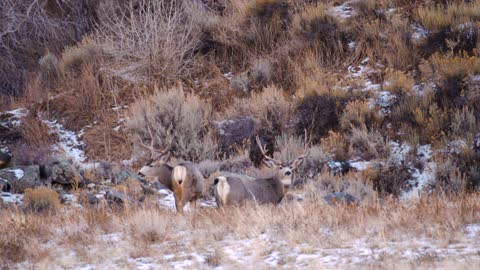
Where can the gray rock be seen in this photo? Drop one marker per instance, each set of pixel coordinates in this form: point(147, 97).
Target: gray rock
point(92, 199)
point(116, 197)
point(234, 131)
point(4, 159)
point(335, 198)
point(123, 176)
point(158, 186)
point(21, 178)
point(4, 185)
point(62, 172)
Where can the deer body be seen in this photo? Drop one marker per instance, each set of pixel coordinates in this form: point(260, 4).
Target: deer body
point(235, 191)
point(187, 183)
point(184, 179)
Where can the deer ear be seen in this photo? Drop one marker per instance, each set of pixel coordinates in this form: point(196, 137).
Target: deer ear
point(270, 163)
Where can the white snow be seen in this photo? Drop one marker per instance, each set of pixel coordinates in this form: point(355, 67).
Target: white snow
point(399, 152)
point(419, 33)
point(361, 73)
point(360, 165)
point(70, 144)
point(228, 75)
point(19, 173)
point(343, 11)
point(421, 179)
point(14, 117)
point(11, 198)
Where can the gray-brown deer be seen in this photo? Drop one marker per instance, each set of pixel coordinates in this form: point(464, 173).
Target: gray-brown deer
point(235, 191)
point(184, 179)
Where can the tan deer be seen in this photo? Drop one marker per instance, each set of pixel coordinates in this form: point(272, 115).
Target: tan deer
point(234, 191)
point(184, 179)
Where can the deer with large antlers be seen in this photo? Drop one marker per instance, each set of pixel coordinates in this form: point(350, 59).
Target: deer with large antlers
point(184, 179)
point(234, 191)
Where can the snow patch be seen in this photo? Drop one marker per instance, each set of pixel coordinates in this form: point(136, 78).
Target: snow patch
point(19, 173)
point(344, 11)
point(399, 152)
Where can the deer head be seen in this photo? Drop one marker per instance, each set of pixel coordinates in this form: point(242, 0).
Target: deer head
point(285, 170)
point(157, 158)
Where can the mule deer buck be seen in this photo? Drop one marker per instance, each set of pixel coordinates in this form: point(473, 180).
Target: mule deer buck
point(184, 179)
point(234, 191)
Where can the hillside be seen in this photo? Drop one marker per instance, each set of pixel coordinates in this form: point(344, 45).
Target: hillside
point(373, 105)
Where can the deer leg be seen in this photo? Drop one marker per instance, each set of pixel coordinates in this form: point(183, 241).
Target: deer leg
point(179, 204)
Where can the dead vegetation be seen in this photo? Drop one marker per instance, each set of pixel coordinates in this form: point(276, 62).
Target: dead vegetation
point(156, 233)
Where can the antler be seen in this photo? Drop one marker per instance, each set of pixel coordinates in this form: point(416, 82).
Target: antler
point(264, 153)
point(154, 152)
point(298, 161)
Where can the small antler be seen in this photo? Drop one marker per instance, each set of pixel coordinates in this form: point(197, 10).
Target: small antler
point(264, 153)
point(154, 152)
point(299, 160)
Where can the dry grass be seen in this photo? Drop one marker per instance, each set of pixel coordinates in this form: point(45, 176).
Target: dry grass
point(41, 199)
point(254, 231)
point(438, 17)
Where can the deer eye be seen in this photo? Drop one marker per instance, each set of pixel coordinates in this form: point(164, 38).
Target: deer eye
point(281, 167)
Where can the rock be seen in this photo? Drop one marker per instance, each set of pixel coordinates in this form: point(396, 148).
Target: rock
point(92, 199)
point(4, 159)
point(335, 198)
point(116, 196)
point(100, 172)
point(4, 185)
point(234, 131)
point(21, 177)
point(62, 172)
point(158, 186)
point(68, 199)
point(123, 176)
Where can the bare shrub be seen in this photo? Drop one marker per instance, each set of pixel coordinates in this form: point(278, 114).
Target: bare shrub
point(389, 179)
point(84, 98)
point(401, 52)
point(270, 108)
point(29, 28)
point(357, 114)
point(367, 145)
point(316, 114)
point(334, 143)
point(464, 123)
point(34, 132)
point(75, 57)
point(266, 22)
point(41, 199)
point(107, 140)
point(321, 34)
point(174, 120)
point(399, 83)
point(438, 17)
point(148, 226)
point(449, 178)
point(25, 154)
point(151, 40)
point(49, 68)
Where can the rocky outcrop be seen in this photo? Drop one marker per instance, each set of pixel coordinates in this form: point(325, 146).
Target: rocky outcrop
point(21, 178)
point(234, 131)
point(62, 172)
point(4, 159)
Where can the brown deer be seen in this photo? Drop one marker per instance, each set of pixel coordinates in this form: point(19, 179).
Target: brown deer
point(234, 191)
point(184, 179)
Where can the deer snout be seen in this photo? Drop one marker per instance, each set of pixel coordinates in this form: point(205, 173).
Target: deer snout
point(288, 173)
point(141, 174)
